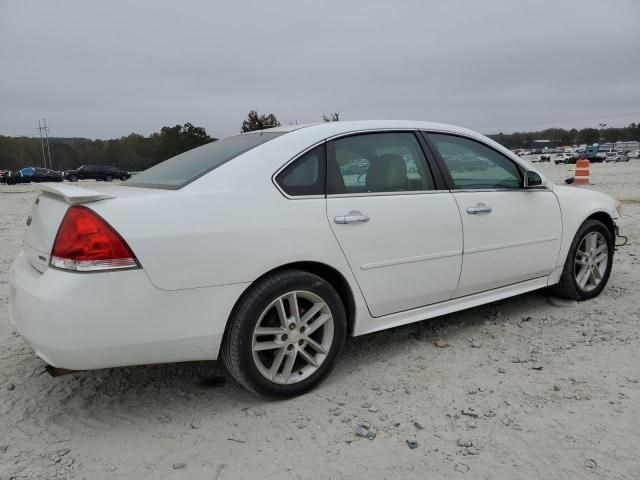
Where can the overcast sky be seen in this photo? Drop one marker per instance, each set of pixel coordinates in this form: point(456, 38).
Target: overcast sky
point(103, 69)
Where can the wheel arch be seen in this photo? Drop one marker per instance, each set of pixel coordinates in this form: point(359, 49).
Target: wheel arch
point(605, 218)
point(328, 273)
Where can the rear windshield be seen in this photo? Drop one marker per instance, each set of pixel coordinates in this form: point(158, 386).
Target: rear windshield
point(185, 168)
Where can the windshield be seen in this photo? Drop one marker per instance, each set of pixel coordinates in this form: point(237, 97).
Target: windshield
point(183, 169)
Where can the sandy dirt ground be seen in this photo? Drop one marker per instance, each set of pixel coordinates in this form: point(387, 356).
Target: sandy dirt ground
point(523, 390)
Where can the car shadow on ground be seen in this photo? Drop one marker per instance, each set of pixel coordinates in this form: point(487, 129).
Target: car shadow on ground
point(201, 382)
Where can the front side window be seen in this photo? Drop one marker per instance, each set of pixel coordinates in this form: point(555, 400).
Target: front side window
point(473, 165)
point(305, 176)
point(378, 162)
point(183, 169)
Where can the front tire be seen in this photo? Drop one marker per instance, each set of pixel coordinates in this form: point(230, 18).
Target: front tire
point(588, 265)
point(73, 178)
point(285, 334)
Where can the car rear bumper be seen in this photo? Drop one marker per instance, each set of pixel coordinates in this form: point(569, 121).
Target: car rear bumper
point(85, 321)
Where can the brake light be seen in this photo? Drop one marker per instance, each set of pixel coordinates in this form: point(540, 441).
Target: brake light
point(85, 242)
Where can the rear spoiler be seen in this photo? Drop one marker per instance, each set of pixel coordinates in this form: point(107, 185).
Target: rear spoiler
point(73, 194)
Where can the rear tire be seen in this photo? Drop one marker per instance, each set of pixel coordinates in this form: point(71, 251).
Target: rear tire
point(275, 350)
point(588, 265)
point(73, 178)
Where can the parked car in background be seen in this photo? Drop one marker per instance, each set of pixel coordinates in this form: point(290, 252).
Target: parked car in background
point(96, 172)
point(594, 155)
point(635, 154)
point(544, 157)
point(616, 157)
point(266, 251)
point(33, 174)
point(559, 158)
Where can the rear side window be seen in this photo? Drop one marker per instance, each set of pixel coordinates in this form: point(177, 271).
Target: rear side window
point(378, 162)
point(183, 169)
point(305, 176)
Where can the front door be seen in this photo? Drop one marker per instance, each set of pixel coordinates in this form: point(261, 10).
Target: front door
point(401, 237)
point(510, 234)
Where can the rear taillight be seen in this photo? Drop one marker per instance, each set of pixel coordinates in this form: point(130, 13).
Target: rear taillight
point(85, 242)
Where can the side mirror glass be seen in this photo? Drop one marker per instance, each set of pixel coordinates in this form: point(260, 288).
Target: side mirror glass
point(532, 179)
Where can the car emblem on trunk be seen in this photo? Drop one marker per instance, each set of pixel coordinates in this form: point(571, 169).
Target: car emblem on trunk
point(28, 220)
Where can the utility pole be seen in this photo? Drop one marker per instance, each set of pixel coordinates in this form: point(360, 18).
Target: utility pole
point(44, 138)
point(602, 125)
point(40, 129)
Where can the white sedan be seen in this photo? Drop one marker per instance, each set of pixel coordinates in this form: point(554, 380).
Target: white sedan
point(267, 249)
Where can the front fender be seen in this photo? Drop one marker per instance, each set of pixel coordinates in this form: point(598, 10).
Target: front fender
point(577, 205)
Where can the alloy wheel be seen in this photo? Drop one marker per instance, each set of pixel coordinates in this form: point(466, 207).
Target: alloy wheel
point(592, 258)
point(292, 337)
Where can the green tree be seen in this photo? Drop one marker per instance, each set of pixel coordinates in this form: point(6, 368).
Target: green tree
point(588, 136)
point(255, 121)
point(179, 139)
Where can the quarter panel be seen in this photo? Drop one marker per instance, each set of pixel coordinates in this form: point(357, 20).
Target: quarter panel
point(199, 239)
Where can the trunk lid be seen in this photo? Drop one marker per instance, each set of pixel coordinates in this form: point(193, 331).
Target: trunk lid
point(50, 207)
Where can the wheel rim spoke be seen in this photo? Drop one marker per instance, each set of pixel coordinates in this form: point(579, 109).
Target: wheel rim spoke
point(293, 306)
point(288, 366)
point(309, 314)
point(597, 275)
point(316, 346)
point(317, 323)
point(308, 358)
point(583, 276)
point(260, 346)
point(277, 362)
point(270, 331)
point(282, 314)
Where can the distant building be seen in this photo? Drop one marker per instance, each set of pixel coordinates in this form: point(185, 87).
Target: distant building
point(627, 146)
point(541, 145)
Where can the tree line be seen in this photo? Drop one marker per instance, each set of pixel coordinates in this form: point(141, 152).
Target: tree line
point(561, 137)
point(136, 152)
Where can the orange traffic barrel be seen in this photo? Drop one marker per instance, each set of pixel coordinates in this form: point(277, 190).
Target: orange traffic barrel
point(582, 171)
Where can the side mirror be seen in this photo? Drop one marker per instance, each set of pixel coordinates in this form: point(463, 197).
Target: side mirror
point(532, 179)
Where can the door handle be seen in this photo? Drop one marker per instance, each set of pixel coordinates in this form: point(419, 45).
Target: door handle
point(479, 208)
point(351, 217)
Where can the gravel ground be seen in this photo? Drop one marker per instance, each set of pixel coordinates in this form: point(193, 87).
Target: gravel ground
point(518, 389)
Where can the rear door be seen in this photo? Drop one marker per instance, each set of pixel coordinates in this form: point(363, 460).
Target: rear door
point(401, 235)
point(510, 234)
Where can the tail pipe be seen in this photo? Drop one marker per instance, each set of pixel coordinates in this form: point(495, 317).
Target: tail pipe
point(58, 372)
